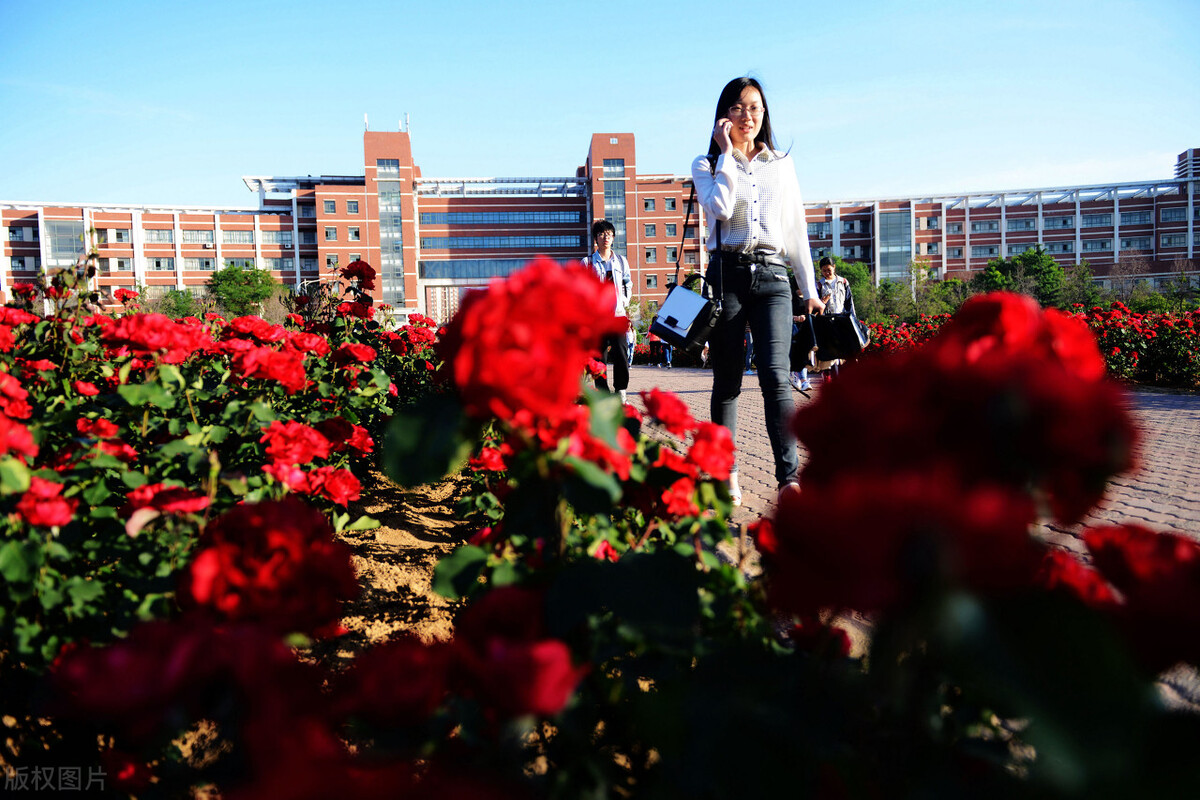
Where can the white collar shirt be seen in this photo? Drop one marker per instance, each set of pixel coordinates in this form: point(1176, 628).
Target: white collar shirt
point(615, 268)
point(758, 205)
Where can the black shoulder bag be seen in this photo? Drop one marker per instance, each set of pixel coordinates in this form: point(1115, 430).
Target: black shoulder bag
point(686, 318)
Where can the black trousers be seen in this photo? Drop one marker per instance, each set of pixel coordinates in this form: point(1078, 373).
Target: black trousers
point(618, 349)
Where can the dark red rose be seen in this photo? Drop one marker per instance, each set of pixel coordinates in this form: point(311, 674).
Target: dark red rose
point(361, 271)
point(353, 353)
point(276, 563)
point(506, 660)
point(286, 367)
point(99, 428)
point(338, 485)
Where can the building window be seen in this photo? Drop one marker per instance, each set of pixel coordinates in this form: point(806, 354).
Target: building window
point(931, 249)
point(355, 257)
point(954, 252)
point(308, 237)
point(852, 226)
point(984, 251)
point(160, 264)
point(851, 251)
point(25, 263)
point(237, 237)
point(330, 206)
point(820, 252)
point(499, 242)
point(614, 168)
point(672, 255)
point(1050, 223)
point(120, 235)
point(387, 168)
point(277, 264)
point(1137, 242)
point(351, 206)
point(198, 264)
point(1096, 221)
point(331, 261)
point(690, 257)
point(651, 255)
point(243, 263)
point(932, 223)
point(64, 243)
point(985, 226)
point(648, 204)
point(197, 237)
point(1058, 248)
point(651, 231)
point(283, 238)
point(818, 230)
point(954, 227)
point(1136, 218)
point(308, 265)
point(24, 233)
point(689, 232)
point(1017, 249)
point(331, 234)
point(651, 281)
point(307, 211)
point(352, 235)
point(1097, 245)
point(120, 265)
point(1174, 240)
point(1022, 224)
point(669, 204)
point(160, 235)
point(1173, 215)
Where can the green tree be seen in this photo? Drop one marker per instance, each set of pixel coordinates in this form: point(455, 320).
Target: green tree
point(1079, 287)
point(178, 303)
point(1034, 272)
point(242, 291)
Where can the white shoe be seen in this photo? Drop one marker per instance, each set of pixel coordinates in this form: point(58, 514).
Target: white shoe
point(735, 491)
point(622, 393)
point(794, 377)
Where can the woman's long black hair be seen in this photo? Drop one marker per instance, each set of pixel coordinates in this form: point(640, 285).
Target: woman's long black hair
point(729, 97)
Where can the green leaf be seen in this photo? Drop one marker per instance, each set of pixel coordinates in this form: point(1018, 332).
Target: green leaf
point(134, 479)
point(14, 476)
point(13, 565)
point(362, 524)
point(83, 591)
point(607, 415)
point(263, 412)
point(457, 574)
point(590, 489)
point(96, 494)
point(143, 394)
point(426, 441)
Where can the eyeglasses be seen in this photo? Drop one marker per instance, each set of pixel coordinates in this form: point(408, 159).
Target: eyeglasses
point(743, 111)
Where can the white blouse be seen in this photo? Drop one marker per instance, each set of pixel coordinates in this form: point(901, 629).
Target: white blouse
point(759, 206)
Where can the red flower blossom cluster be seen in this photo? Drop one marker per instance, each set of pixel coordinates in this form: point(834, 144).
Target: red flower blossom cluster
point(284, 366)
point(343, 435)
point(125, 295)
point(669, 411)
point(16, 438)
point(43, 504)
point(166, 498)
point(523, 343)
point(156, 335)
point(276, 563)
point(13, 397)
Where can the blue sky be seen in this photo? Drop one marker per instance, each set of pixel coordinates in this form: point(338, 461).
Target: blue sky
point(131, 102)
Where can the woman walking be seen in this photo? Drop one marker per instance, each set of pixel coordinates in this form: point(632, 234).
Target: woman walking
point(750, 192)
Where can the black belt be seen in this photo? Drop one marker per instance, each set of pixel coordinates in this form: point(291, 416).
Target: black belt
point(739, 259)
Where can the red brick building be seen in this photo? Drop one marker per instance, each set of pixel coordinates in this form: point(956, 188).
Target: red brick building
point(434, 238)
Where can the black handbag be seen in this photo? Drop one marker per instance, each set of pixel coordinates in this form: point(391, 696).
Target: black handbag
point(686, 318)
point(840, 336)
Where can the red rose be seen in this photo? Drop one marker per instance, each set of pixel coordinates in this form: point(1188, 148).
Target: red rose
point(18, 316)
point(671, 412)
point(522, 343)
point(255, 327)
point(156, 334)
point(507, 661)
point(357, 310)
point(120, 450)
point(489, 459)
point(42, 504)
point(894, 535)
point(1158, 576)
point(100, 428)
point(124, 295)
point(167, 499)
point(352, 352)
point(286, 367)
point(338, 485)
point(1063, 571)
point(294, 442)
point(273, 562)
point(309, 343)
point(680, 498)
point(16, 438)
point(675, 462)
point(86, 389)
point(712, 450)
point(361, 271)
point(606, 552)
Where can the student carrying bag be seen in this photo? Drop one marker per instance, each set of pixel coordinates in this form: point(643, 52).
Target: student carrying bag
point(686, 318)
